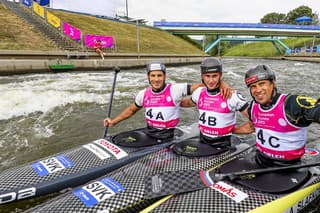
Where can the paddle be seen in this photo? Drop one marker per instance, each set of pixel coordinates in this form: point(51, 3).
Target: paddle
point(116, 71)
point(243, 175)
point(175, 182)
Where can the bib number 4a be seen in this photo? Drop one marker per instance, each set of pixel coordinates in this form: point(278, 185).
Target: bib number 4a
point(159, 116)
point(272, 140)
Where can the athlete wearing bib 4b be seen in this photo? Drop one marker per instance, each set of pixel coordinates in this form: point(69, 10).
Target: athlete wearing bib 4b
point(217, 115)
point(280, 120)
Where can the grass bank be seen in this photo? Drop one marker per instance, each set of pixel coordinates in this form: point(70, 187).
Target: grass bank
point(266, 49)
point(15, 34)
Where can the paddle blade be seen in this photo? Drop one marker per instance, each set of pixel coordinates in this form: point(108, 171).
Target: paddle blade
point(173, 182)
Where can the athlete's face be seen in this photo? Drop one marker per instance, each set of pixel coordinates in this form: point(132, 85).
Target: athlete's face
point(211, 79)
point(156, 79)
point(262, 91)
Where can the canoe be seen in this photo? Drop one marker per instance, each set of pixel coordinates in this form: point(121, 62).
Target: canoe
point(123, 189)
point(78, 165)
point(61, 67)
point(234, 196)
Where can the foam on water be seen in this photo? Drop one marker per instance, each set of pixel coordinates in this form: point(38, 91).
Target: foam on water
point(45, 92)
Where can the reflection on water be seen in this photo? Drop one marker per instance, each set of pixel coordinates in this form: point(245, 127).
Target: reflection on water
point(45, 113)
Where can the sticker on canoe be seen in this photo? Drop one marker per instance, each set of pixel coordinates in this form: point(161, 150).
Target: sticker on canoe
point(222, 187)
point(93, 193)
point(95, 149)
point(229, 191)
point(311, 151)
point(116, 151)
point(103, 148)
point(51, 165)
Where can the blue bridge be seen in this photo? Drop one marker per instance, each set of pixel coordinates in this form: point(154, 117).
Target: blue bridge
point(265, 32)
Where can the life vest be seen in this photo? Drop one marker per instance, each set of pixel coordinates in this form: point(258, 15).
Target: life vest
point(161, 111)
point(276, 137)
point(215, 117)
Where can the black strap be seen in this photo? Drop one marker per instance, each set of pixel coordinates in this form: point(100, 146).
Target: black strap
point(144, 137)
point(162, 134)
point(264, 161)
point(221, 142)
point(195, 147)
point(272, 182)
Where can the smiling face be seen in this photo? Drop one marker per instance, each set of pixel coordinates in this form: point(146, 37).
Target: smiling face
point(261, 91)
point(211, 79)
point(156, 79)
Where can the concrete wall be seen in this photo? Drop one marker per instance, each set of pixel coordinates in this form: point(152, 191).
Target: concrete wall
point(13, 67)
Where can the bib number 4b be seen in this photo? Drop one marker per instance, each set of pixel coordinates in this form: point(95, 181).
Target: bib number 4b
point(210, 120)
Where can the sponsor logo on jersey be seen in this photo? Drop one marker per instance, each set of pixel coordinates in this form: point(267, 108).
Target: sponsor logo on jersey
point(98, 191)
point(52, 165)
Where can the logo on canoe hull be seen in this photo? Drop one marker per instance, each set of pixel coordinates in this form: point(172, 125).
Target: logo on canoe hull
point(229, 191)
point(103, 149)
point(52, 165)
point(98, 191)
point(311, 151)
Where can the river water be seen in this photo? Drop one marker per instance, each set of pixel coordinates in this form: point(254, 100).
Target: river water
point(42, 114)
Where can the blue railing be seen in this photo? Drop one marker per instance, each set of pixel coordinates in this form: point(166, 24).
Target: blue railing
point(234, 25)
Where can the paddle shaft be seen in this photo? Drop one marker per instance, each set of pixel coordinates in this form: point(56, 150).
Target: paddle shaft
point(170, 179)
point(116, 71)
point(252, 173)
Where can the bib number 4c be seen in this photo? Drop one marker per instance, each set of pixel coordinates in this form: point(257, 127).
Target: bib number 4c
point(272, 140)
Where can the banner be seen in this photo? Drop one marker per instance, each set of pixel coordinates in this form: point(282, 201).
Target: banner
point(43, 2)
point(28, 3)
point(38, 9)
point(106, 41)
point(53, 20)
point(72, 32)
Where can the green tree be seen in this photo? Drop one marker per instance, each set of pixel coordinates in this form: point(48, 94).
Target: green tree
point(273, 18)
point(315, 18)
point(298, 12)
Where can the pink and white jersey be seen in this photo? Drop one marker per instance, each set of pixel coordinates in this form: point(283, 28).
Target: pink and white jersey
point(162, 109)
point(217, 115)
point(275, 136)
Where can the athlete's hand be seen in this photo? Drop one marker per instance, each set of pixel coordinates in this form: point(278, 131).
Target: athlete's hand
point(108, 122)
point(226, 92)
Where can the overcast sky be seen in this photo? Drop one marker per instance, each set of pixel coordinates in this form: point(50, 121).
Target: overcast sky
point(246, 11)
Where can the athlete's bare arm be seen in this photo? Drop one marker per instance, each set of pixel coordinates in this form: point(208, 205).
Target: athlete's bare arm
point(125, 114)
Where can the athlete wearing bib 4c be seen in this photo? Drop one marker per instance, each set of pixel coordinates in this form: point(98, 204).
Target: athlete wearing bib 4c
point(280, 120)
point(161, 101)
point(217, 115)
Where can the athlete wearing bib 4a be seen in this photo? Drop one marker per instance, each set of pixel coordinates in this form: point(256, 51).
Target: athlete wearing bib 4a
point(217, 115)
point(162, 108)
point(280, 120)
point(161, 101)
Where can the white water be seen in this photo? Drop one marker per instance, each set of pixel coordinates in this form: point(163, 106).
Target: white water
point(41, 115)
point(23, 95)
